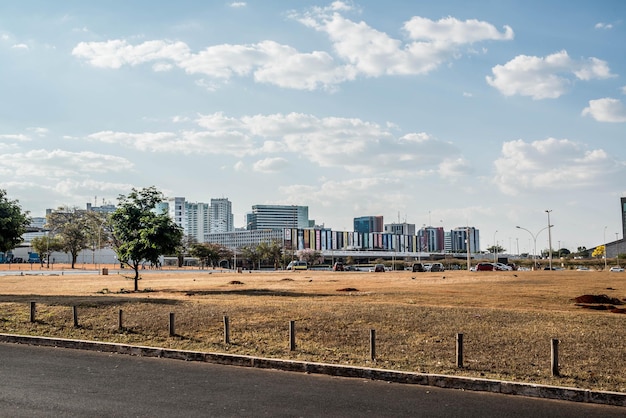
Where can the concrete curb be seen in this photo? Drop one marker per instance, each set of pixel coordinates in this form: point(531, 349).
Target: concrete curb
point(441, 381)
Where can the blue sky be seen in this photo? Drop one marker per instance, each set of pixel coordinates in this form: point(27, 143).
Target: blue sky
point(440, 113)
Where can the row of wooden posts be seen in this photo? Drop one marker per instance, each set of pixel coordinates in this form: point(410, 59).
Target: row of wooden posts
point(554, 352)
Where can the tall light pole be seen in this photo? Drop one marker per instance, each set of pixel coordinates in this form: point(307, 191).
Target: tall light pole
point(495, 248)
point(605, 247)
point(535, 242)
point(549, 239)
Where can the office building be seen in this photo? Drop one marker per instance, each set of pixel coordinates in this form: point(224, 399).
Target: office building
point(278, 217)
point(221, 218)
point(368, 224)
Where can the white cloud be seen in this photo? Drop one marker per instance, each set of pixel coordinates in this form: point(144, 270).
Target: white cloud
point(57, 164)
point(552, 165)
point(333, 142)
point(606, 110)
point(358, 49)
point(270, 165)
point(14, 137)
point(545, 77)
point(601, 25)
point(623, 89)
point(20, 46)
point(238, 4)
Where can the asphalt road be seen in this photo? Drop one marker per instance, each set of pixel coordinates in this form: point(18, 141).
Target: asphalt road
point(44, 382)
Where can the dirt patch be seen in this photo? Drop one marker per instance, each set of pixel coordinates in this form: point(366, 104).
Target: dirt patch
point(348, 289)
point(286, 279)
point(235, 282)
point(598, 299)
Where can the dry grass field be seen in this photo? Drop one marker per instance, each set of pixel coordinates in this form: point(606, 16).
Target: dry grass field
point(508, 318)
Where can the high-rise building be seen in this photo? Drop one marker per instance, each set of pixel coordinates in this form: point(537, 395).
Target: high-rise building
point(278, 217)
point(459, 238)
point(367, 224)
point(197, 220)
point(221, 219)
point(400, 229)
point(432, 239)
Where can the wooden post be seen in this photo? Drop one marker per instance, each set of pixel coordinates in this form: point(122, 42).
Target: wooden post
point(292, 335)
point(554, 358)
point(459, 351)
point(172, 326)
point(373, 344)
point(32, 311)
point(119, 321)
point(75, 315)
point(226, 330)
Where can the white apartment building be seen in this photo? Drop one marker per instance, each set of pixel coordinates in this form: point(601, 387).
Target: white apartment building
point(221, 218)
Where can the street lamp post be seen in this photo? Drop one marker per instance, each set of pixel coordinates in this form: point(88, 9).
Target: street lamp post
point(549, 240)
point(535, 242)
point(605, 247)
point(495, 247)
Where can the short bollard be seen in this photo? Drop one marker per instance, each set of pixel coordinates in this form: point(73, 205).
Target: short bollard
point(373, 344)
point(120, 325)
point(459, 351)
point(32, 311)
point(75, 316)
point(554, 358)
point(226, 330)
point(292, 335)
point(172, 326)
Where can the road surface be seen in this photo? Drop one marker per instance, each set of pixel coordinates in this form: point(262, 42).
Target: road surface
point(44, 382)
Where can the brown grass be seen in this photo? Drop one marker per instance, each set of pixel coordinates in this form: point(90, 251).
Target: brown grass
point(507, 318)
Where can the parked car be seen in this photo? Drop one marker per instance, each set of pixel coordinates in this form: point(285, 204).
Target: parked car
point(297, 265)
point(378, 268)
point(502, 267)
point(485, 267)
point(419, 267)
point(338, 266)
point(617, 269)
point(437, 267)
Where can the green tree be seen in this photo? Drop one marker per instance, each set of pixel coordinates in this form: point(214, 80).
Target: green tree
point(45, 246)
point(74, 228)
point(140, 233)
point(13, 222)
point(496, 249)
point(270, 252)
point(210, 253)
point(251, 254)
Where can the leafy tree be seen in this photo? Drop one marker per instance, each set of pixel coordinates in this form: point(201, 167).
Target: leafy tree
point(140, 233)
point(13, 222)
point(270, 252)
point(210, 253)
point(598, 251)
point(251, 254)
point(496, 249)
point(74, 228)
point(45, 246)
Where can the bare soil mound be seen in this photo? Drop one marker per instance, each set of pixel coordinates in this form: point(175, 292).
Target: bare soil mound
point(598, 299)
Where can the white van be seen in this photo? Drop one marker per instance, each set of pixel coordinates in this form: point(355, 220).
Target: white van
point(298, 265)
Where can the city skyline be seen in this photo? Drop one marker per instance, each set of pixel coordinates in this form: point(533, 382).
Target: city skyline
point(430, 113)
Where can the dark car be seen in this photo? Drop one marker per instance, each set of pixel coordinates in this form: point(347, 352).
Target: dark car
point(436, 267)
point(419, 267)
point(485, 267)
point(378, 268)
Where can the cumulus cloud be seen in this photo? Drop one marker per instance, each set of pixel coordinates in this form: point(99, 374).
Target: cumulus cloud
point(545, 77)
point(270, 165)
point(333, 142)
point(601, 25)
point(238, 4)
point(551, 165)
point(60, 163)
point(606, 110)
point(357, 50)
